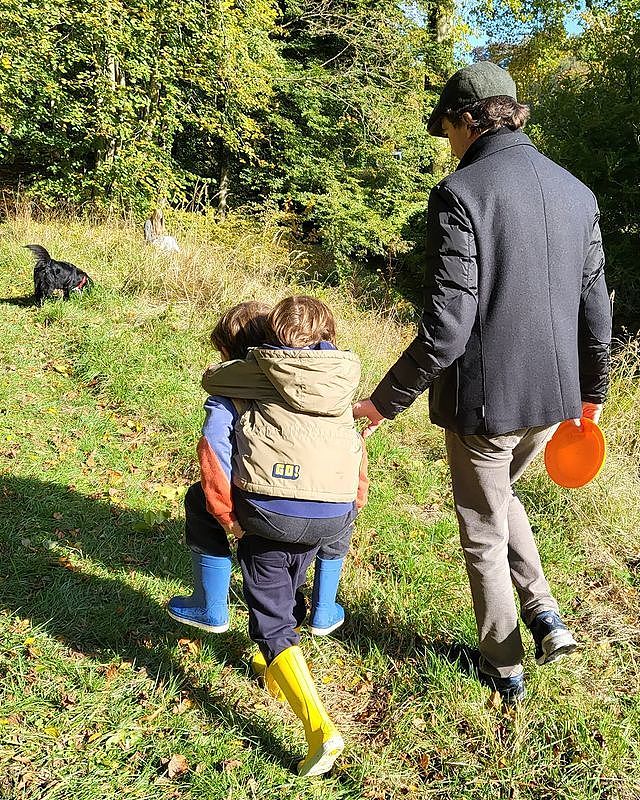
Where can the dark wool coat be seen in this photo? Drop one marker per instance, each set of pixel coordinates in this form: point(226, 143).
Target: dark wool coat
point(516, 328)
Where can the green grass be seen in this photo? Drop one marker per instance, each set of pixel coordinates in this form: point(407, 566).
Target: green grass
point(99, 414)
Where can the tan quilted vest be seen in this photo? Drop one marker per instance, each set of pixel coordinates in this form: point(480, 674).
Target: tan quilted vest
point(295, 435)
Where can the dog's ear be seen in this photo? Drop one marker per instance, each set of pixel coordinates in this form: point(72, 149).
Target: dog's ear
point(38, 252)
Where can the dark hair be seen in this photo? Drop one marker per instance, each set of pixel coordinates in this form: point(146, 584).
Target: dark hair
point(300, 321)
point(492, 113)
point(242, 327)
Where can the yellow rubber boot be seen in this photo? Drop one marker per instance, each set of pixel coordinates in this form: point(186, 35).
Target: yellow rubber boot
point(259, 667)
point(291, 673)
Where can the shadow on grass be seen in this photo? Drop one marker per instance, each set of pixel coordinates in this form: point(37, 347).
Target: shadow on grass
point(101, 617)
point(26, 300)
point(400, 641)
point(34, 512)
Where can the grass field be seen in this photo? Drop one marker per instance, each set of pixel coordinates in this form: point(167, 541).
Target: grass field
point(103, 696)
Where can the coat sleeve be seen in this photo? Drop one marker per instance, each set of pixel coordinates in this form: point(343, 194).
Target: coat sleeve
point(594, 323)
point(450, 307)
point(240, 379)
point(215, 450)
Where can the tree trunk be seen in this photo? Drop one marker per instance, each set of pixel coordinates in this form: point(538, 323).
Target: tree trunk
point(223, 183)
point(441, 25)
point(116, 80)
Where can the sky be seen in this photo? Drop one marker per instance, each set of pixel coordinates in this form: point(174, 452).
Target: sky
point(572, 23)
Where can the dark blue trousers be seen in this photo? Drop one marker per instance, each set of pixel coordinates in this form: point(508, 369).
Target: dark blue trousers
point(274, 554)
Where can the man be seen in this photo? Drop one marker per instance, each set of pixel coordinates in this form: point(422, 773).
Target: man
point(514, 338)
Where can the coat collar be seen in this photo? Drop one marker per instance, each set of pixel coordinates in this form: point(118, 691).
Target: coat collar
point(493, 142)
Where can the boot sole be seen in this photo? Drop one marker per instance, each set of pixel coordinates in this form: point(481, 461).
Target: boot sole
point(323, 759)
point(201, 625)
point(556, 645)
point(325, 631)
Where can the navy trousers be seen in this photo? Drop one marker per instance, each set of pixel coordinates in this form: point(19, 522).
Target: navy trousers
point(274, 554)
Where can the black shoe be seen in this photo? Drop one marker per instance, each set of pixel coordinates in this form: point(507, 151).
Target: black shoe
point(552, 637)
point(511, 689)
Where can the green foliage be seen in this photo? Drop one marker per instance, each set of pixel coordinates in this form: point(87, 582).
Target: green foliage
point(586, 117)
point(347, 147)
point(95, 96)
point(317, 107)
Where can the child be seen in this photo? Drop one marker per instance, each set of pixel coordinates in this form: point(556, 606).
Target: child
point(156, 234)
point(295, 480)
point(208, 506)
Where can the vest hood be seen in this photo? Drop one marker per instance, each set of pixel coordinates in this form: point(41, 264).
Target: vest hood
point(321, 382)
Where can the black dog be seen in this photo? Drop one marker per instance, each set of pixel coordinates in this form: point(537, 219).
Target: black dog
point(49, 275)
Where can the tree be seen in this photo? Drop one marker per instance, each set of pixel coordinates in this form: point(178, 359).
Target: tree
point(96, 95)
point(345, 142)
point(586, 118)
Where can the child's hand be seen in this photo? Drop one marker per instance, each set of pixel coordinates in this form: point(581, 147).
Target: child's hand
point(234, 529)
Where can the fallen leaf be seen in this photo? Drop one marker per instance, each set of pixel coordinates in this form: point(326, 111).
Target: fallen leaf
point(231, 764)
point(65, 562)
point(182, 706)
point(26, 779)
point(68, 700)
point(32, 652)
point(61, 368)
point(191, 645)
point(57, 515)
point(425, 760)
point(177, 766)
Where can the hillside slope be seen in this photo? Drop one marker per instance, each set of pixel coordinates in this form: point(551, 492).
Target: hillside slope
point(100, 410)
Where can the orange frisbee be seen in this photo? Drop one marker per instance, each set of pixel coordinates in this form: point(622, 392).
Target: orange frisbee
point(574, 456)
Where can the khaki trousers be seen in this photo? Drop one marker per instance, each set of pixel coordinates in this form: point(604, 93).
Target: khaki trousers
point(498, 545)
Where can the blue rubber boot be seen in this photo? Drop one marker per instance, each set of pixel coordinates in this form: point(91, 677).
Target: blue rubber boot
point(326, 614)
point(208, 607)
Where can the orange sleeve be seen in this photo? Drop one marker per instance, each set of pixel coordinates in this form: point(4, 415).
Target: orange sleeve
point(363, 480)
point(215, 483)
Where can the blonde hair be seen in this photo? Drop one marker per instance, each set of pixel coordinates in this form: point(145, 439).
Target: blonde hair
point(241, 327)
point(301, 321)
point(157, 223)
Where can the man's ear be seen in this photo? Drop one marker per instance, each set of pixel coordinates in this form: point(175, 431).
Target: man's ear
point(467, 119)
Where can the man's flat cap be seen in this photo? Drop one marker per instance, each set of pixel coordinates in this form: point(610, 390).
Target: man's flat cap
point(468, 85)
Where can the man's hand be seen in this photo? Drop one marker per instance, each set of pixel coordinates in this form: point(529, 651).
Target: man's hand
point(591, 411)
point(366, 409)
point(234, 529)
